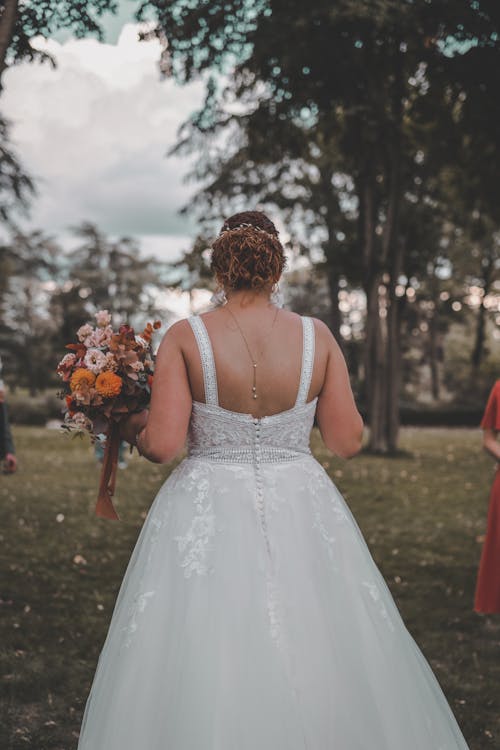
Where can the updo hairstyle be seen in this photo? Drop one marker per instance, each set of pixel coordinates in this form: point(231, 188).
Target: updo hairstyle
point(247, 254)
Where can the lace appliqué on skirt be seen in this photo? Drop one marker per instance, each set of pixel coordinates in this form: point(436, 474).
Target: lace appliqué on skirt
point(196, 544)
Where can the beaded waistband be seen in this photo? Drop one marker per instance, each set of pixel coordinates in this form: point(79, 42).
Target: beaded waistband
point(264, 454)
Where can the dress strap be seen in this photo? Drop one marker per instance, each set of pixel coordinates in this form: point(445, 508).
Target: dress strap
point(207, 359)
point(308, 346)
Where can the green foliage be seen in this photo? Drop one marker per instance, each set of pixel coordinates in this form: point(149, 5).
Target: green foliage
point(16, 186)
point(47, 294)
point(110, 274)
point(44, 17)
point(369, 125)
point(25, 330)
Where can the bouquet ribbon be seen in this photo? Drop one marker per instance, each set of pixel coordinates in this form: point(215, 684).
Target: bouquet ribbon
point(104, 507)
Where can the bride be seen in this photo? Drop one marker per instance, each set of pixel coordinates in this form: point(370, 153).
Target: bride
point(251, 615)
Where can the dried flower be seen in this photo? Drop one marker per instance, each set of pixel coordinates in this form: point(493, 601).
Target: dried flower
point(65, 366)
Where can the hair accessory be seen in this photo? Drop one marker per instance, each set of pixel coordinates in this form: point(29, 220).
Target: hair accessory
point(246, 226)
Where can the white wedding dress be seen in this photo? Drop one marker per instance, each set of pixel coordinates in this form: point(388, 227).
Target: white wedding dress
point(251, 615)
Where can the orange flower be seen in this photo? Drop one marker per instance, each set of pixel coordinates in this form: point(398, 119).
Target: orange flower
point(82, 378)
point(108, 384)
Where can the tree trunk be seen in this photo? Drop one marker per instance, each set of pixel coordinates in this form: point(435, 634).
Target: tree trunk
point(395, 251)
point(433, 357)
point(376, 369)
point(480, 337)
point(335, 319)
point(367, 236)
point(375, 338)
point(331, 249)
point(393, 380)
point(7, 23)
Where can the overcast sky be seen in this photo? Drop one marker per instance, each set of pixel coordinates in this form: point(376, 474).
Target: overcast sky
point(95, 132)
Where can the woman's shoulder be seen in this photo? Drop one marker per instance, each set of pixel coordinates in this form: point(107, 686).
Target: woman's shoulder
point(491, 416)
point(174, 336)
point(495, 390)
point(178, 327)
point(326, 338)
point(494, 394)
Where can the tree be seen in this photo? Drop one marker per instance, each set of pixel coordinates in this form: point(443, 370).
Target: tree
point(382, 78)
point(25, 326)
point(16, 187)
point(21, 22)
point(110, 274)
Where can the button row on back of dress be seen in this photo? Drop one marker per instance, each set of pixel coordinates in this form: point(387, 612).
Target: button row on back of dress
point(259, 495)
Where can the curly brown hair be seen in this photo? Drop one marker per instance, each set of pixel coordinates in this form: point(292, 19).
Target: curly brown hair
point(248, 254)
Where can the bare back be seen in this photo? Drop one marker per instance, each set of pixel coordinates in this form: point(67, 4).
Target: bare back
point(278, 350)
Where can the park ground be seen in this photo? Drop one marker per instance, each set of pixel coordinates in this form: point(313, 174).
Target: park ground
point(422, 513)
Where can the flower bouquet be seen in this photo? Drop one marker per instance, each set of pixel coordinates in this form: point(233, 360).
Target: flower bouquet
point(107, 375)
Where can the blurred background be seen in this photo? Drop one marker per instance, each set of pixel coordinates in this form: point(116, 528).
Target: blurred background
point(369, 132)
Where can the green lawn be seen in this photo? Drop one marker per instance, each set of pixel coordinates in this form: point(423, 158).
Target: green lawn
point(421, 514)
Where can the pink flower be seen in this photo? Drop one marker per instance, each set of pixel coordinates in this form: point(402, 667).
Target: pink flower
point(95, 361)
point(111, 363)
point(103, 318)
point(66, 365)
point(102, 336)
point(99, 337)
point(84, 332)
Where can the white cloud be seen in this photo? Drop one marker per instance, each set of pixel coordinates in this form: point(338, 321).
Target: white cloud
point(95, 131)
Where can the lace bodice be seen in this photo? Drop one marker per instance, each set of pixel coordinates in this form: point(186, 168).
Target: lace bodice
point(228, 436)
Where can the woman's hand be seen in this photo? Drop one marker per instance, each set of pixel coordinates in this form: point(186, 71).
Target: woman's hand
point(133, 424)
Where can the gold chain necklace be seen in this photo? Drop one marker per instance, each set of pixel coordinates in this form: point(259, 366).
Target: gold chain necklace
point(254, 361)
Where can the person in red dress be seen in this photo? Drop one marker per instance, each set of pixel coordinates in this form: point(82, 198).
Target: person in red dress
point(487, 596)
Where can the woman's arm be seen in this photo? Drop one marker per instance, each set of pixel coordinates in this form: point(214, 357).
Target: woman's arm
point(339, 421)
point(163, 428)
point(491, 444)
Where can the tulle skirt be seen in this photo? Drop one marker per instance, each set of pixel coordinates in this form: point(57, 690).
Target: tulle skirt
point(259, 625)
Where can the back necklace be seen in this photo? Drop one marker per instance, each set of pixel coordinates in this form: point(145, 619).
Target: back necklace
point(254, 361)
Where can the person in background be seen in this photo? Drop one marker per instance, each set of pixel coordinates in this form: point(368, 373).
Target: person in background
point(487, 596)
point(100, 445)
point(7, 451)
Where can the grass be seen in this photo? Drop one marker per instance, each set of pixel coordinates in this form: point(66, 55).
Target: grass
point(421, 514)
